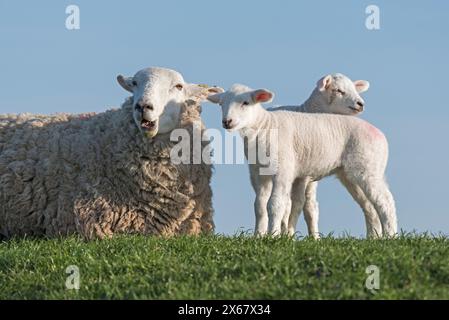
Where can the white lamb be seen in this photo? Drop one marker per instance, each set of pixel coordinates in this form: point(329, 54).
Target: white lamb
point(313, 146)
point(336, 94)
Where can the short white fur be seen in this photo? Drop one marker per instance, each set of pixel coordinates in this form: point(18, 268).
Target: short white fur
point(314, 146)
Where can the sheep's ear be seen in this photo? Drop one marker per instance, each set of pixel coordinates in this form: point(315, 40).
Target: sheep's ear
point(214, 90)
point(324, 83)
point(262, 96)
point(125, 82)
point(200, 92)
point(215, 98)
point(361, 85)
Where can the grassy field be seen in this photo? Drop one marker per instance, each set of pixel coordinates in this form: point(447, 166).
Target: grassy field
point(218, 267)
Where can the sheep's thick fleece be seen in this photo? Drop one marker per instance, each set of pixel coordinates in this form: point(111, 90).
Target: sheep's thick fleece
point(97, 175)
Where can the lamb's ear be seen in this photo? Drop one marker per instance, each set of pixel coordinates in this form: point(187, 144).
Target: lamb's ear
point(324, 82)
point(262, 96)
point(125, 82)
point(361, 85)
point(215, 98)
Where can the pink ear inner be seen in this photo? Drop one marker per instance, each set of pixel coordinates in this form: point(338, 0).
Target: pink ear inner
point(263, 96)
point(360, 85)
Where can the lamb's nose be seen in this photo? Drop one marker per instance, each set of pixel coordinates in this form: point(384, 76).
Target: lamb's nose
point(227, 123)
point(360, 104)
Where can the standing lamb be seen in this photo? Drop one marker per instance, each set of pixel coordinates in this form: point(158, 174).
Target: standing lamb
point(335, 94)
point(320, 145)
point(102, 174)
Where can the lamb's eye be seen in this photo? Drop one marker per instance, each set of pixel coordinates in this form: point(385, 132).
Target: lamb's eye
point(179, 86)
point(134, 83)
point(245, 103)
point(341, 92)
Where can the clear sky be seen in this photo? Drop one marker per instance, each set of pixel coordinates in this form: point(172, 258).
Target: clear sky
point(285, 46)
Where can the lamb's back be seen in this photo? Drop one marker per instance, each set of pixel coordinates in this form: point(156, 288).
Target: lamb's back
point(319, 142)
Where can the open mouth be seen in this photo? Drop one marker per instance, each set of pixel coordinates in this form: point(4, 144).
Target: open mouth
point(148, 125)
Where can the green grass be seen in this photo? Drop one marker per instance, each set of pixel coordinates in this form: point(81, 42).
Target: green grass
point(218, 267)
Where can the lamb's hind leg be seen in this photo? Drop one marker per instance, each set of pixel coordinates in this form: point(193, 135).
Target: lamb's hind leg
point(379, 194)
point(311, 211)
point(298, 199)
point(296, 189)
point(373, 225)
point(376, 190)
point(310, 208)
point(286, 217)
point(279, 203)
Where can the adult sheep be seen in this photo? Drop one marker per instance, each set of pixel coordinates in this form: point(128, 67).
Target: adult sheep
point(103, 174)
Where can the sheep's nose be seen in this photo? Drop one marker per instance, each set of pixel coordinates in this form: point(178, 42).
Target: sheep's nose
point(227, 123)
point(361, 105)
point(148, 107)
point(145, 106)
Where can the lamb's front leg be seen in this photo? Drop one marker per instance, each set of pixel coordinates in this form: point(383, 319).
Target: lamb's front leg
point(263, 191)
point(279, 203)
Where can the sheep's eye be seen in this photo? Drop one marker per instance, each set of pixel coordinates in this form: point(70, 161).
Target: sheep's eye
point(179, 87)
point(245, 103)
point(341, 92)
point(134, 83)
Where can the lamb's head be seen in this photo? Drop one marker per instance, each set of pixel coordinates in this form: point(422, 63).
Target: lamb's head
point(158, 95)
point(240, 105)
point(338, 94)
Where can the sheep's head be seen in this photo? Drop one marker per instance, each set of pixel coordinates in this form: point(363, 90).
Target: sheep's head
point(338, 94)
point(156, 90)
point(239, 105)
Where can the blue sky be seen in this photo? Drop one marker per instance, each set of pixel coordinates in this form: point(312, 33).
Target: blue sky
point(285, 46)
